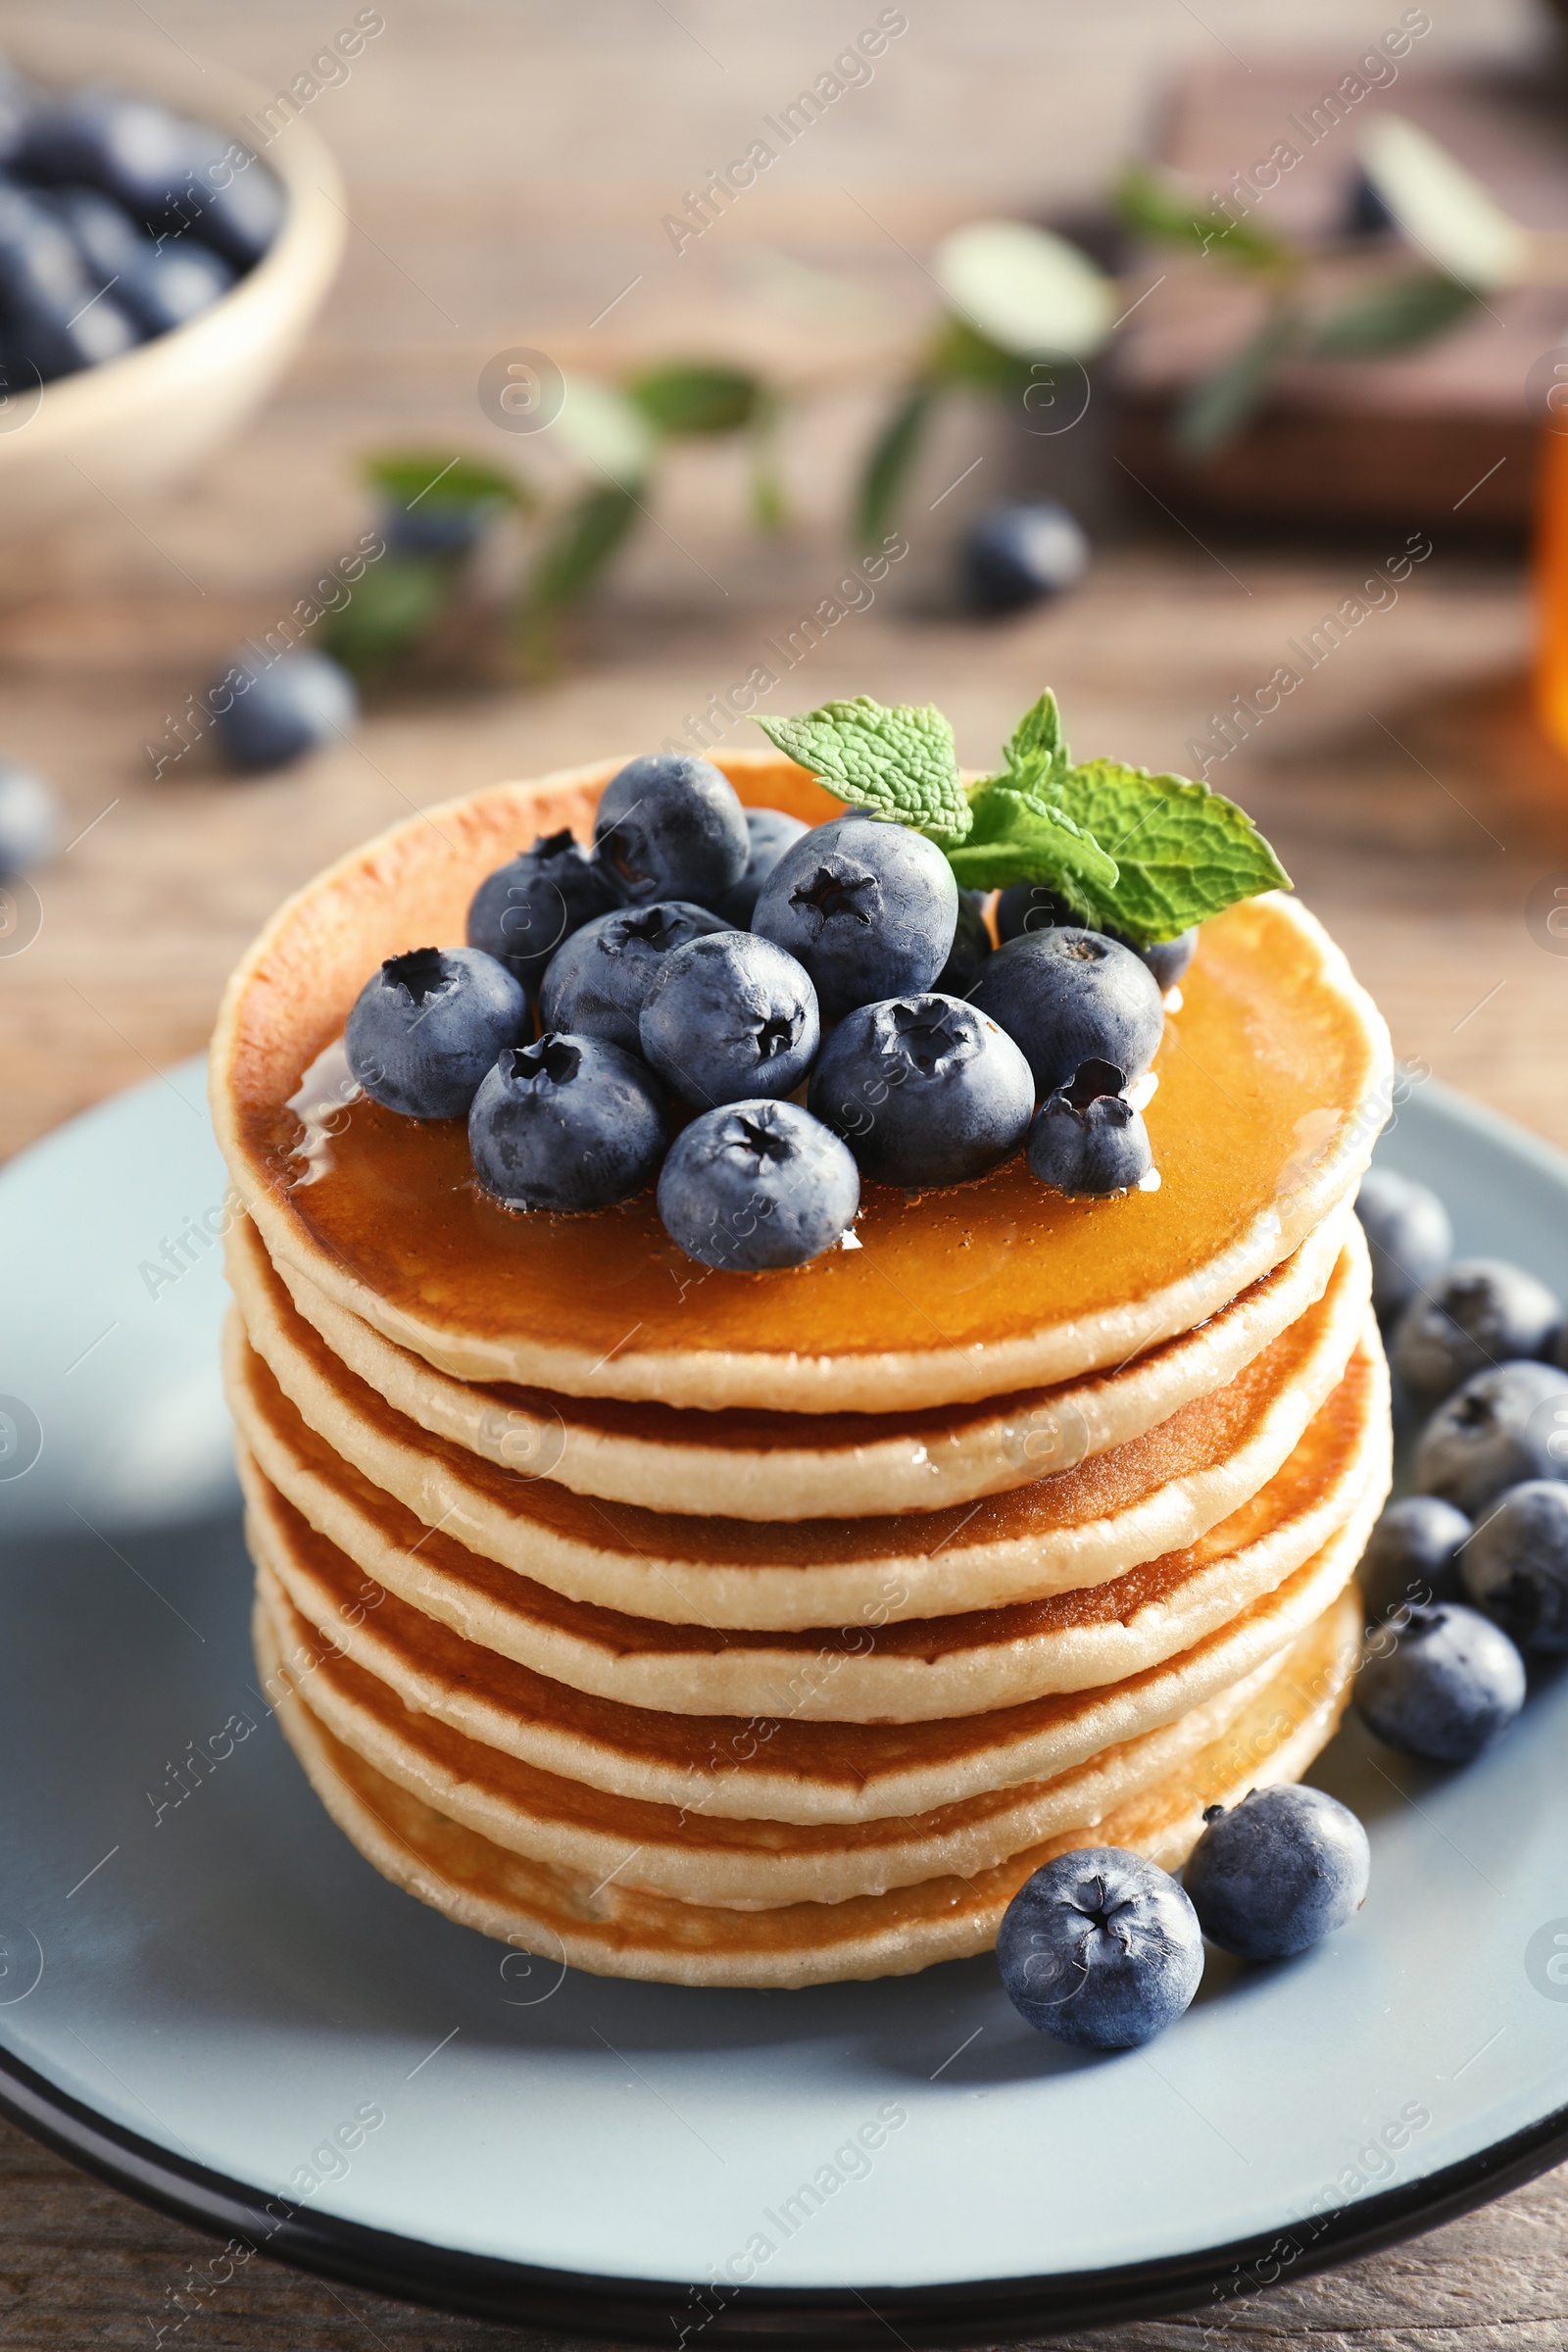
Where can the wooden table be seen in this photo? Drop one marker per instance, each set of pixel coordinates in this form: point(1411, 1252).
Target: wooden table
point(508, 167)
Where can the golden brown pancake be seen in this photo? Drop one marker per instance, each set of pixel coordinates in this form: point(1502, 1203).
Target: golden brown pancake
point(683, 1850)
point(1081, 1527)
point(816, 1769)
point(1273, 1082)
point(334, 1538)
point(745, 1464)
point(611, 1928)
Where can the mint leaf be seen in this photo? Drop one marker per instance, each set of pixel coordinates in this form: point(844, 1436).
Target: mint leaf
point(900, 763)
point(1036, 757)
point(1017, 838)
point(1182, 852)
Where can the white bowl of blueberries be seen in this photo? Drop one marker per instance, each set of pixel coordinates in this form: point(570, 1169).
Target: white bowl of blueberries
point(156, 273)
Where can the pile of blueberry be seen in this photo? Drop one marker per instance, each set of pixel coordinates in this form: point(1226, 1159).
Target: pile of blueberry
point(1468, 1576)
point(1104, 1950)
point(119, 221)
point(712, 959)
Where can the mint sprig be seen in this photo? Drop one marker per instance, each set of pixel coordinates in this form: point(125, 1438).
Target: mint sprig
point(900, 763)
point(1129, 851)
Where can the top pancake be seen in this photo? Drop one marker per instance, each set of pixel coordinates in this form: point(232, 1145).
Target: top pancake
point(1273, 1082)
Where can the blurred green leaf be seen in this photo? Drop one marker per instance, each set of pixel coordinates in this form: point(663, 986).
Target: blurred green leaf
point(888, 467)
point(1025, 289)
point(1219, 405)
point(1157, 205)
point(391, 609)
point(436, 478)
point(767, 486)
point(568, 564)
point(689, 397)
point(1397, 316)
point(961, 356)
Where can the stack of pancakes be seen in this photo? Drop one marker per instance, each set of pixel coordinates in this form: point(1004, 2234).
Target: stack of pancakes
point(770, 1630)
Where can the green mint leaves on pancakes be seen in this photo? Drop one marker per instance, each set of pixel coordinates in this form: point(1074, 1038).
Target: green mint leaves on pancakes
point(1138, 854)
point(900, 763)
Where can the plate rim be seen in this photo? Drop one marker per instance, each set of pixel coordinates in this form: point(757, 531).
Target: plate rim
point(800, 2318)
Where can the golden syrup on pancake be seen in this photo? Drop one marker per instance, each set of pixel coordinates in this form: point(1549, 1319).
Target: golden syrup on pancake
point(1257, 1072)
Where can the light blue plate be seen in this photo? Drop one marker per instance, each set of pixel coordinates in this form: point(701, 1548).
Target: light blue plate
point(207, 1995)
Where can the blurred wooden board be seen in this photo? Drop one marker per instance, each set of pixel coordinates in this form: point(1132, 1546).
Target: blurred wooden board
point(1443, 432)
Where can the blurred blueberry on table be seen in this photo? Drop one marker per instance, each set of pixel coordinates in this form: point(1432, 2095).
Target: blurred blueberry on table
point(568, 1123)
point(1275, 1874)
point(522, 913)
point(1087, 1138)
point(971, 944)
point(29, 819)
point(598, 980)
point(770, 833)
point(924, 1090)
point(757, 1186)
point(729, 1017)
point(1068, 997)
point(1483, 1311)
point(870, 908)
point(671, 826)
point(1365, 213)
point(283, 708)
point(1101, 1948)
point(435, 530)
point(1410, 1235)
point(161, 287)
point(1412, 1555)
point(426, 1027)
point(1026, 906)
point(1019, 553)
point(1443, 1687)
point(1515, 1566)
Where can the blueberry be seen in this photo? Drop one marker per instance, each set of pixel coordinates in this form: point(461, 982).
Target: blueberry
point(174, 176)
point(1277, 1872)
point(1031, 907)
point(57, 317)
point(569, 1123)
point(596, 983)
point(426, 1027)
point(1410, 1235)
point(971, 944)
point(1448, 1682)
point(1500, 1428)
point(669, 826)
point(869, 907)
point(1085, 1137)
point(1100, 1948)
point(1017, 554)
point(1515, 1566)
point(770, 833)
point(729, 1017)
point(1483, 1311)
point(161, 287)
point(1414, 1554)
point(757, 1185)
point(924, 1090)
point(1167, 958)
point(432, 529)
point(29, 819)
point(270, 713)
point(522, 911)
point(1068, 997)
